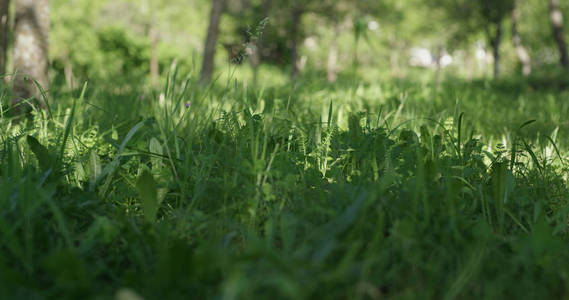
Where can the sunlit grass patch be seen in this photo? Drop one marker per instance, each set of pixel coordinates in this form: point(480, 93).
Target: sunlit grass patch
point(309, 191)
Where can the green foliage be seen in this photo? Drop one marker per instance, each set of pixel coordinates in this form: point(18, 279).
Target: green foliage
point(372, 187)
point(42, 154)
point(148, 191)
point(98, 40)
point(103, 39)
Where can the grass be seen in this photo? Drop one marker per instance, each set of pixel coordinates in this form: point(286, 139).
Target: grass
point(393, 189)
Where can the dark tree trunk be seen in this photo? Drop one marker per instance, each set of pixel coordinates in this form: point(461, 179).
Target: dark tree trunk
point(4, 33)
point(68, 72)
point(297, 13)
point(31, 43)
point(438, 66)
point(556, 18)
point(521, 52)
point(496, 41)
point(206, 73)
point(267, 5)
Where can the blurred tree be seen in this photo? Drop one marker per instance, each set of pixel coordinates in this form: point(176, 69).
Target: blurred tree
point(486, 16)
point(149, 9)
point(31, 42)
point(112, 41)
point(332, 62)
point(521, 52)
point(556, 18)
point(334, 11)
point(287, 28)
point(108, 38)
point(217, 7)
point(340, 15)
point(4, 33)
point(493, 13)
point(154, 38)
point(386, 11)
point(245, 41)
point(150, 17)
point(75, 48)
point(296, 13)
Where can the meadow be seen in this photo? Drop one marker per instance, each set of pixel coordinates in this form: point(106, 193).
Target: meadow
point(363, 189)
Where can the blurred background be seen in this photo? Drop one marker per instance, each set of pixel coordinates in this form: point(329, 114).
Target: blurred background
point(275, 41)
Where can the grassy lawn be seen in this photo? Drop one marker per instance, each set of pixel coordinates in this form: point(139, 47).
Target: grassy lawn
point(396, 189)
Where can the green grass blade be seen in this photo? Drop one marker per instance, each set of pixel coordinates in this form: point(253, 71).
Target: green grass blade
point(148, 191)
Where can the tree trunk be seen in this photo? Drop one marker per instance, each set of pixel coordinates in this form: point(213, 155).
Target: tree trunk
point(556, 18)
point(438, 66)
point(254, 47)
point(254, 58)
point(154, 66)
point(267, 5)
point(521, 51)
point(496, 41)
point(217, 7)
point(4, 33)
point(31, 43)
point(332, 64)
point(469, 66)
point(297, 13)
point(68, 72)
point(394, 56)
